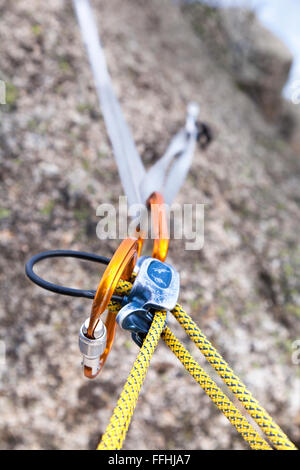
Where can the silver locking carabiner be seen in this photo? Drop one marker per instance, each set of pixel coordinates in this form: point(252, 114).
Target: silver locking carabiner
point(92, 348)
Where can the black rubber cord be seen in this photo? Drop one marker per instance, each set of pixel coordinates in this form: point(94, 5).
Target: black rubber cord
point(88, 294)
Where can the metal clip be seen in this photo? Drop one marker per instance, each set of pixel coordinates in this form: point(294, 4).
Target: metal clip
point(156, 287)
point(92, 348)
point(204, 135)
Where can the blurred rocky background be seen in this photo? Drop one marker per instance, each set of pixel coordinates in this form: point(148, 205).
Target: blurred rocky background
point(57, 167)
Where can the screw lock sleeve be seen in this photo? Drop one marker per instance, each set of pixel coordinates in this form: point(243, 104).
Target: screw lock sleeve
point(92, 348)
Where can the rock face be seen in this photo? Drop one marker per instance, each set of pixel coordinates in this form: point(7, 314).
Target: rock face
point(289, 124)
point(57, 167)
point(258, 61)
point(295, 136)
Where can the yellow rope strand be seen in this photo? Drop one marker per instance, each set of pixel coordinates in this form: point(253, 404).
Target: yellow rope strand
point(258, 413)
point(118, 426)
point(215, 393)
point(116, 430)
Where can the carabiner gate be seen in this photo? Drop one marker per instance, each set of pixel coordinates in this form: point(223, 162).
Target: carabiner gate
point(120, 266)
point(156, 205)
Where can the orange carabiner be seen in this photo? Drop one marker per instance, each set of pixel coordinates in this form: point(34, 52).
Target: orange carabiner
point(140, 239)
point(120, 266)
point(160, 226)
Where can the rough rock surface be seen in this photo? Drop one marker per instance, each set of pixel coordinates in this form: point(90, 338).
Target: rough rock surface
point(289, 122)
point(57, 167)
point(257, 59)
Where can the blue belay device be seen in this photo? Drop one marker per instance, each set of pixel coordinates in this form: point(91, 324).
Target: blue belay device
point(156, 287)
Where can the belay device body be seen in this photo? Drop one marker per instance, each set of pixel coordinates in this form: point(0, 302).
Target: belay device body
point(156, 287)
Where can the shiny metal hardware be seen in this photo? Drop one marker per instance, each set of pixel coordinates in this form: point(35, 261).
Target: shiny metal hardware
point(156, 287)
point(120, 266)
point(92, 348)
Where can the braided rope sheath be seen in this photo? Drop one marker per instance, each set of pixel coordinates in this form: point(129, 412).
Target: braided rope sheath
point(262, 418)
point(116, 430)
point(123, 288)
point(258, 413)
point(215, 393)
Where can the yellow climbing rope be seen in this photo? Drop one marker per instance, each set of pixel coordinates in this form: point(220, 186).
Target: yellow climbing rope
point(120, 420)
point(257, 412)
point(115, 433)
point(215, 393)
